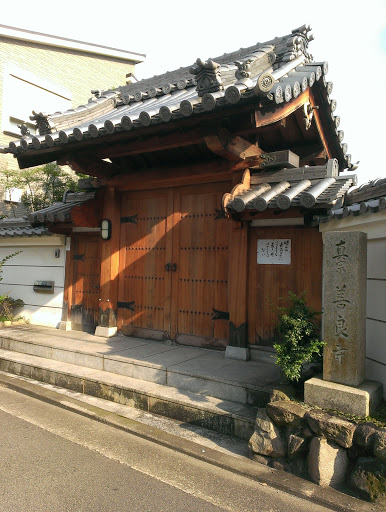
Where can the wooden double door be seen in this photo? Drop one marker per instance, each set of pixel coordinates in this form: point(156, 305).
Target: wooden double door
point(173, 275)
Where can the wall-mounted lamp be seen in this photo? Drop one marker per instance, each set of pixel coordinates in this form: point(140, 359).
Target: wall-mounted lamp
point(106, 229)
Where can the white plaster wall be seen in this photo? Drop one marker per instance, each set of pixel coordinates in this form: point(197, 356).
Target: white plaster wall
point(374, 224)
point(36, 262)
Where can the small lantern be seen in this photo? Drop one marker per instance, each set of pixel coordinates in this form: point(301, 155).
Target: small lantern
point(106, 229)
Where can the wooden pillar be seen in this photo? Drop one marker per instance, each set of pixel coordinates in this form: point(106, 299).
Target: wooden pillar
point(109, 267)
point(237, 292)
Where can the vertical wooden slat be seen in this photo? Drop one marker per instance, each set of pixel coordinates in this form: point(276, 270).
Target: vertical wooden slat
point(110, 262)
point(237, 284)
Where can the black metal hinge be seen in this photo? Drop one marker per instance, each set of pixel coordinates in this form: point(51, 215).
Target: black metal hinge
point(220, 315)
point(78, 257)
point(220, 214)
point(126, 305)
point(132, 219)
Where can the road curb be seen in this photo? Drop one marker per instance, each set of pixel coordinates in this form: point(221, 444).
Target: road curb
point(263, 475)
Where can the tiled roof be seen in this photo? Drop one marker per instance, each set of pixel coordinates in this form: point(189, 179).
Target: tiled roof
point(61, 211)
point(274, 72)
point(307, 187)
point(357, 204)
point(20, 226)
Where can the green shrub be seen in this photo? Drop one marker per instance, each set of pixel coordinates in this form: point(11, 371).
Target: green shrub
point(7, 307)
point(298, 339)
point(7, 304)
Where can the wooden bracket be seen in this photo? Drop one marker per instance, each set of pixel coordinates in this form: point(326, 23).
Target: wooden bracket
point(232, 147)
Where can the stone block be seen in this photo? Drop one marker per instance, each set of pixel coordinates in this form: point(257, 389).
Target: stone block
point(360, 401)
point(286, 413)
point(240, 353)
point(344, 307)
point(296, 446)
point(380, 445)
point(327, 463)
point(368, 478)
point(331, 427)
point(106, 332)
point(64, 326)
point(267, 438)
point(365, 436)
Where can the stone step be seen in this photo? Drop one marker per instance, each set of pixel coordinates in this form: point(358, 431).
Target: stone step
point(223, 416)
point(191, 369)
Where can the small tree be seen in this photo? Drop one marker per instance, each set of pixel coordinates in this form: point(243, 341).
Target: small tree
point(42, 186)
point(298, 337)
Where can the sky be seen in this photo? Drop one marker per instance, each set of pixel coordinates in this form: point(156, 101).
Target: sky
point(352, 38)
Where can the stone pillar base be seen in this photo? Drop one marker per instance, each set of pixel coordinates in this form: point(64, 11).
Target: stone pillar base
point(360, 401)
point(239, 353)
point(64, 326)
point(105, 332)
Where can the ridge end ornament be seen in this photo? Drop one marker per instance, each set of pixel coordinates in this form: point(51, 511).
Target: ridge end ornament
point(208, 76)
point(42, 123)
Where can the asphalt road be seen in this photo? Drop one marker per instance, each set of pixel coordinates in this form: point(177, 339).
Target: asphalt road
point(59, 461)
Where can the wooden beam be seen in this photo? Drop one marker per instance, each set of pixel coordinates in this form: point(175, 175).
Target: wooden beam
point(206, 172)
point(273, 114)
point(232, 147)
point(160, 142)
point(88, 164)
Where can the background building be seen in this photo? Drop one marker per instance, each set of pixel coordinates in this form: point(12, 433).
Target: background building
point(49, 73)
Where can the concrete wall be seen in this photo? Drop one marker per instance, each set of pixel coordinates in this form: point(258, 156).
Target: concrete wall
point(374, 224)
point(36, 262)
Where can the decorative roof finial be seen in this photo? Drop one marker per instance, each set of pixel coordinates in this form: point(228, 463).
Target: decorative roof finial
point(208, 76)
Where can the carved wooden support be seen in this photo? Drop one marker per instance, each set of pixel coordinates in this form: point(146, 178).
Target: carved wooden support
point(85, 164)
point(233, 147)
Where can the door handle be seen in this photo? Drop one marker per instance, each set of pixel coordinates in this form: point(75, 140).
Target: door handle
point(167, 267)
point(174, 267)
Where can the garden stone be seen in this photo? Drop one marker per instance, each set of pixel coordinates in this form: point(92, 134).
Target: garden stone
point(327, 462)
point(278, 394)
point(365, 435)
point(267, 438)
point(296, 446)
point(380, 445)
point(332, 427)
point(368, 478)
point(286, 413)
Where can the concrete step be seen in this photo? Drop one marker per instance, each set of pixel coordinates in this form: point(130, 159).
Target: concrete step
point(222, 416)
point(195, 370)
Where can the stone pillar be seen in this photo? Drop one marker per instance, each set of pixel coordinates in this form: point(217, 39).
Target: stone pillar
point(343, 387)
point(344, 307)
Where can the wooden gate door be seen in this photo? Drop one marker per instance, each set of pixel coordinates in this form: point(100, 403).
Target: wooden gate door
point(145, 252)
point(174, 265)
point(200, 255)
point(86, 266)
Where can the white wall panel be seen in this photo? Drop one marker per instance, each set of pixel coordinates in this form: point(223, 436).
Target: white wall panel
point(376, 258)
point(376, 341)
point(376, 371)
point(376, 300)
point(27, 275)
point(38, 315)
